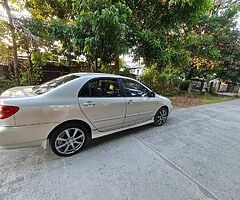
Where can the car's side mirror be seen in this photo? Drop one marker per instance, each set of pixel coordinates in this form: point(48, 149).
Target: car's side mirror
point(151, 94)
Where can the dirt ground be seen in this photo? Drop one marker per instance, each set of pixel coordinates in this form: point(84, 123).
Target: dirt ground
point(191, 100)
point(185, 102)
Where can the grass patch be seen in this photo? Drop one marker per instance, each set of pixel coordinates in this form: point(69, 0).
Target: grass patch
point(194, 99)
point(215, 99)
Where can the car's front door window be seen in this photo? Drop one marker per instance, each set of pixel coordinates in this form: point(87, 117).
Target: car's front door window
point(134, 89)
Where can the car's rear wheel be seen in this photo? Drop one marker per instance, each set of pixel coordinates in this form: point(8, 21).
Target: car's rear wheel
point(68, 139)
point(161, 116)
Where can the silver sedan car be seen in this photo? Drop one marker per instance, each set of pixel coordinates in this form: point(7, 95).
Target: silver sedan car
point(69, 111)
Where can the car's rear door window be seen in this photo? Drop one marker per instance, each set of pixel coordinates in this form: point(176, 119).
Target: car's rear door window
point(101, 88)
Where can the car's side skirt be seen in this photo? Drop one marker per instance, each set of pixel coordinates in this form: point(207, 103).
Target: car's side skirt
point(97, 134)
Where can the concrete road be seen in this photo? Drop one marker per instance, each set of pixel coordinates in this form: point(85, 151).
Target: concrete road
point(196, 155)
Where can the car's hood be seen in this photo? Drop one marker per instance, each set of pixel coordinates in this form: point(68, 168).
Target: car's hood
point(23, 91)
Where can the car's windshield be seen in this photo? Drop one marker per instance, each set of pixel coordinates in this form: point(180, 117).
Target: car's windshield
point(45, 87)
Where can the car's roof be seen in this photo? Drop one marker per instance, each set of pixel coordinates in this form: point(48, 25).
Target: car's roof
point(98, 75)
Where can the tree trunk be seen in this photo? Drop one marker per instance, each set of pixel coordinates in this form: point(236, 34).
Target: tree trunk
point(116, 65)
point(13, 35)
point(96, 65)
point(90, 66)
point(30, 69)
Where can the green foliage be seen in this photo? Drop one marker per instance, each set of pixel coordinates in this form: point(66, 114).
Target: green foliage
point(214, 44)
point(101, 32)
point(5, 54)
point(19, 31)
point(176, 37)
point(159, 27)
point(109, 28)
point(4, 29)
point(95, 31)
point(6, 84)
point(163, 82)
point(228, 42)
point(43, 9)
point(38, 60)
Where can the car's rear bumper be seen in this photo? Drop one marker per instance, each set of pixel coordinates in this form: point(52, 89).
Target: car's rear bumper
point(24, 136)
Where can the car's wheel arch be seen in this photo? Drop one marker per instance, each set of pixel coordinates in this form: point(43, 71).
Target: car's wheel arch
point(163, 106)
point(78, 122)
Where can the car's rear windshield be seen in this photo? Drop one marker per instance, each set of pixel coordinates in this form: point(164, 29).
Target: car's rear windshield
point(45, 87)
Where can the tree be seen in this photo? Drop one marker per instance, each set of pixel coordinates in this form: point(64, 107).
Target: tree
point(228, 41)
point(101, 30)
point(24, 42)
point(230, 68)
point(159, 28)
point(214, 44)
point(5, 4)
point(105, 29)
point(46, 9)
point(98, 31)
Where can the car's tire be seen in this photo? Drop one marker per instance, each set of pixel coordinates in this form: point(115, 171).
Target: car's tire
point(68, 139)
point(161, 116)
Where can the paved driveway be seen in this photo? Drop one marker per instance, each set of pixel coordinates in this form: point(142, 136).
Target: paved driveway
point(196, 155)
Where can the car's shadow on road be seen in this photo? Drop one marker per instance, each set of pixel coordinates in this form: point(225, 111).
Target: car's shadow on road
point(118, 135)
point(122, 134)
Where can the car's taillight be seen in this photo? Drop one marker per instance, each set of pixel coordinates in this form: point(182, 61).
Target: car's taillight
point(8, 111)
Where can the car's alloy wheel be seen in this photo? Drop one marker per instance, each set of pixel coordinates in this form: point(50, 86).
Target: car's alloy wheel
point(68, 140)
point(161, 116)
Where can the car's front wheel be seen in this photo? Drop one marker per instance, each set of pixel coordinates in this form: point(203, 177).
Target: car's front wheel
point(68, 139)
point(161, 116)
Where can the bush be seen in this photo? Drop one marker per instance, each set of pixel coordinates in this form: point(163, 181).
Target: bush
point(164, 82)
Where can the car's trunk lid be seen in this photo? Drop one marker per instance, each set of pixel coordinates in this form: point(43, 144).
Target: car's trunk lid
point(18, 92)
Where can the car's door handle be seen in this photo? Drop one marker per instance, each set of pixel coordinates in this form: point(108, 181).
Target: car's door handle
point(130, 101)
point(89, 103)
